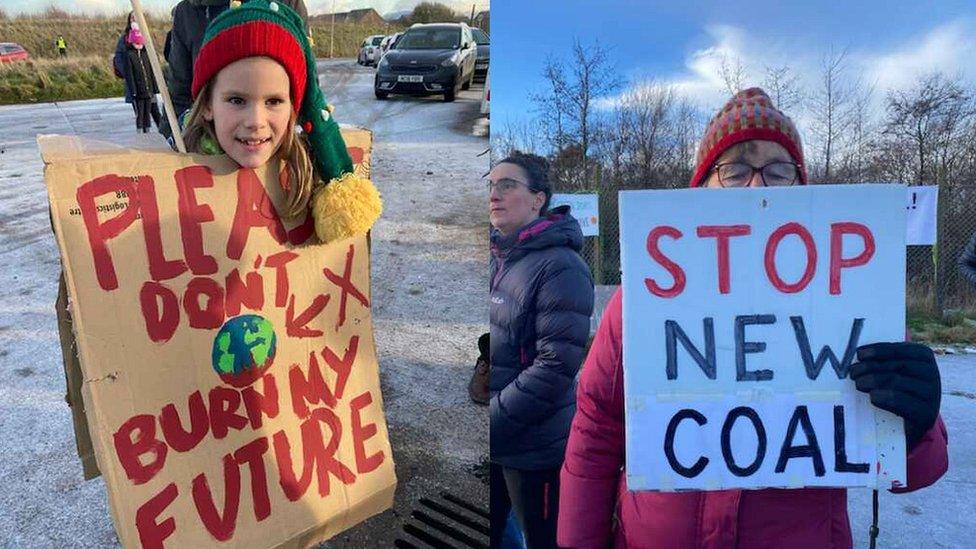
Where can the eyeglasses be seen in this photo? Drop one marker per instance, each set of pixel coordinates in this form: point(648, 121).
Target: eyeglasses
point(774, 174)
point(505, 185)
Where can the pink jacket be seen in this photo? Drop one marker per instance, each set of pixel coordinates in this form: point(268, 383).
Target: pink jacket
point(596, 510)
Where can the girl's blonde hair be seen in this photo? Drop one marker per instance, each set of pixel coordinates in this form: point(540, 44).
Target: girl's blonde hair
point(298, 177)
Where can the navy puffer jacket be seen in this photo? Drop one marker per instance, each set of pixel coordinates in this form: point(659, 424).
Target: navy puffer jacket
point(541, 302)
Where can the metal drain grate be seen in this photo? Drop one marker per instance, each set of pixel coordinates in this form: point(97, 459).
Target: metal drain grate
point(447, 522)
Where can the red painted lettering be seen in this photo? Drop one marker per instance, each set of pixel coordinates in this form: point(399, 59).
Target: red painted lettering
point(220, 525)
point(254, 209)
point(722, 233)
point(770, 257)
point(133, 440)
point(160, 268)
point(100, 233)
point(837, 259)
point(251, 454)
point(297, 326)
point(224, 403)
point(673, 268)
point(238, 293)
point(152, 533)
point(209, 316)
point(278, 262)
point(345, 284)
point(361, 433)
point(160, 310)
point(177, 437)
point(192, 215)
point(258, 405)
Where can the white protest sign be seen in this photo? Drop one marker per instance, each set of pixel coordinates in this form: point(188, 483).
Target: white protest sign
point(922, 206)
point(742, 311)
point(584, 207)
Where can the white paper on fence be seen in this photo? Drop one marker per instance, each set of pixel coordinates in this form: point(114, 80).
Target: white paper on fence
point(874, 291)
point(922, 204)
point(584, 207)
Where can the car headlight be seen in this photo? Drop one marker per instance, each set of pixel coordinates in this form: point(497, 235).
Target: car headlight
point(450, 61)
point(384, 62)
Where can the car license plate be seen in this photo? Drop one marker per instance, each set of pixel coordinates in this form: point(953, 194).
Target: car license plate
point(410, 78)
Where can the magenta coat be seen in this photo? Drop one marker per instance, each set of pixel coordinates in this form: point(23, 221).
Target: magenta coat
point(596, 510)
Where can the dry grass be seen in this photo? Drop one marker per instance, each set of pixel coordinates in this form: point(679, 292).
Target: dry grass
point(91, 41)
point(42, 80)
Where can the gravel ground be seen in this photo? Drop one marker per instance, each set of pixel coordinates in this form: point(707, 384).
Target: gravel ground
point(429, 266)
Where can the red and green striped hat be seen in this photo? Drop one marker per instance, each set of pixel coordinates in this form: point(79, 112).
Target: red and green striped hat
point(749, 115)
point(268, 29)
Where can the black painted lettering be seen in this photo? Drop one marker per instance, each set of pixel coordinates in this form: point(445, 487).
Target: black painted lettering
point(811, 450)
point(673, 333)
point(749, 413)
point(696, 469)
point(841, 465)
point(813, 367)
point(742, 347)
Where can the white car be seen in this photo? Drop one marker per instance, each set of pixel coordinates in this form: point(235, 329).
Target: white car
point(388, 43)
point(369, 50)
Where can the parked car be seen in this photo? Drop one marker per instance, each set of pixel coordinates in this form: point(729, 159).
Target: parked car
point(10, 52)
point(369, 50)
point(389, 42)
point(481, 61)
point(429, 59)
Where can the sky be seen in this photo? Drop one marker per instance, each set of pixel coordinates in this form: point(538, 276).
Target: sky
point(681, 43)
point(314, 6)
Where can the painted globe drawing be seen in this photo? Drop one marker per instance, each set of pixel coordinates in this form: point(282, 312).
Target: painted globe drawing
point(243, 349)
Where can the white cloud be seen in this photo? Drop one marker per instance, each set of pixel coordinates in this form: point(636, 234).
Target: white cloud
point(948, 48)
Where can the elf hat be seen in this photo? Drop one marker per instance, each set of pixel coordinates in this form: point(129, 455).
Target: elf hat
point(346, 205)
point(749, 115)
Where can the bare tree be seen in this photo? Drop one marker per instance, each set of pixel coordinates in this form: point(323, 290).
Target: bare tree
point(828, 106)
point(931, 116)
point(782, 85)
point(733, 73)
point(568, 104)
point(857, 141)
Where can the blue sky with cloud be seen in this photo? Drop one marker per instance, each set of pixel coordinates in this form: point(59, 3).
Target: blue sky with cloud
point(314, 6)
point(889, 43)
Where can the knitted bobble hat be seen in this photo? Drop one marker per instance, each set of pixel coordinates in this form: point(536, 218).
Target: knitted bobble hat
point(749, 115)
point(346, 205)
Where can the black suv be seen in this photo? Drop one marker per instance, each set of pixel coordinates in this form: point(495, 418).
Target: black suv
point(429, 59)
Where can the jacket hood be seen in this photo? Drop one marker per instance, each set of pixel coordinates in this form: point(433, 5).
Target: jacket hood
point(557, 228)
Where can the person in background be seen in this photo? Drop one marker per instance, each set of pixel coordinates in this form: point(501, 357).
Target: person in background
point(541, 295)
point(62, 47)
point(749, 143)
point(967, 261)
point(120, 63)
point(143, 81)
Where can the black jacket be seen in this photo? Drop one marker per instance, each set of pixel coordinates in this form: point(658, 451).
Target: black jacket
point(541, 302)
point(967, 261)
point(139, 75)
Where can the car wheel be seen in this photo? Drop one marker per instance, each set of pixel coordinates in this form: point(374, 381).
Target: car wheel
point(380, 94)
point(467, 83)
point(449, 95)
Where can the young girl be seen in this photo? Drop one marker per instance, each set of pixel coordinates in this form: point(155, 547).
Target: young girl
point(256, 98)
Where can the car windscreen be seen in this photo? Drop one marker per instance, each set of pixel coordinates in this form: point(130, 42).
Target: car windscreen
point(430, 39)
point(480, 37)
point(376, 41)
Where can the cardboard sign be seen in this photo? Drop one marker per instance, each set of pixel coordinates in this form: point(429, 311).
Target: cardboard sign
point(742, 312)
point(228, 366)
point(584, 207)
point(922, 207)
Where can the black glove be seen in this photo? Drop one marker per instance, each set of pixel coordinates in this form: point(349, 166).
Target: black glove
point(903, 379)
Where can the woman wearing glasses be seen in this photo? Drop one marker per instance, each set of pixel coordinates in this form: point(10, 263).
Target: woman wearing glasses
point(541, 302)
point(747, 144)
